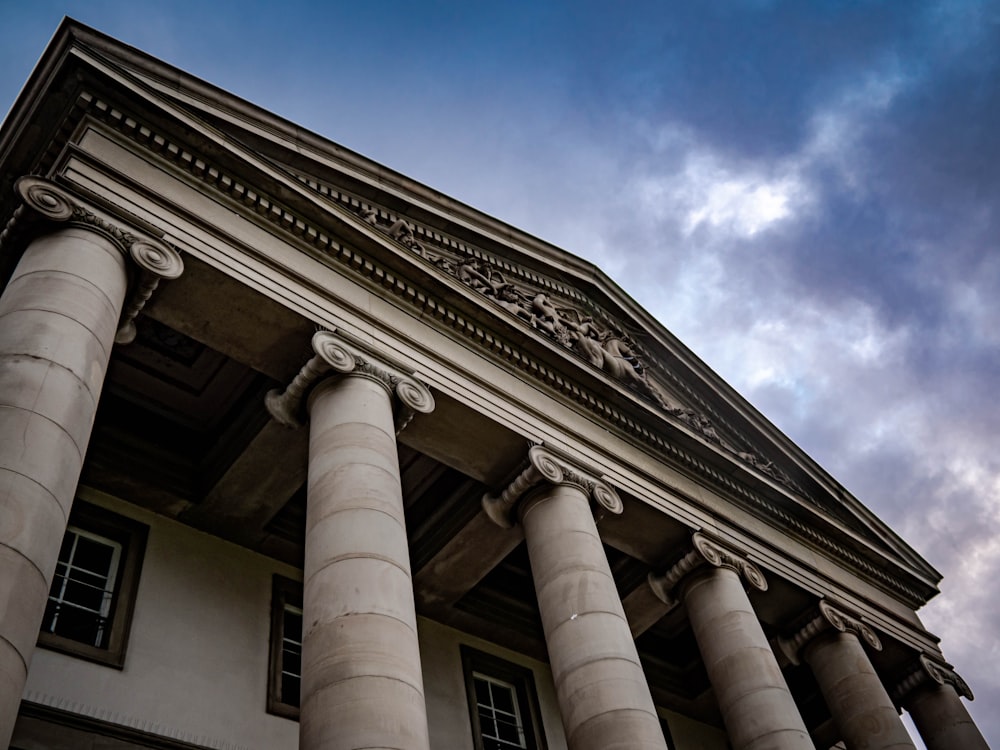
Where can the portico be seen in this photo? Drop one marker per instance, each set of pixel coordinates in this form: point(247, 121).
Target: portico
point(438, 424)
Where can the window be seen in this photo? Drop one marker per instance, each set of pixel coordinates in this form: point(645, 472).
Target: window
point(89, 609)
point(502, 703)
point(286, 648)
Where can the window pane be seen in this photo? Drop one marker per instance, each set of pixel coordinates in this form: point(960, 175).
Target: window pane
point(82, 588)
point(487, 725)
point(83, 595)
point(291, 655)
point(483, 692)
point(292, 625)
point(290, 686)
point(79, 625)
point(503, 698)
point(93, 556)
point(508, 729)
point(67, 546)
point(499, 715)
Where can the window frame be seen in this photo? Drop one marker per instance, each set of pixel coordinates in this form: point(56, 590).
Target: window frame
point(285, 592)
point(523, 681)
point(132, 536)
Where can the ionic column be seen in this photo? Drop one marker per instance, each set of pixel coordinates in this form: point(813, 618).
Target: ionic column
point(861, 708)
point(602, 691)
point(930, 693)
point(361, 681)
point(58, 320)
point(757, 707)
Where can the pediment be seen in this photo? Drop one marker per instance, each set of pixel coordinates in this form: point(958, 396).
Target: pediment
point(592, 330)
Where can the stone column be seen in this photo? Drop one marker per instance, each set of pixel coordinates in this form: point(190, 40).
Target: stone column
point(58, 320)
point(930, 693)
point(602, 691)
point(862, 710)
point(361, 680)
point(757, 707)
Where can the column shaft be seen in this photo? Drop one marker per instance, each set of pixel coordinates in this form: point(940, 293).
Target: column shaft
point(602, 691)
point(942, 719)
point(861, 707)
point(361, 680)
point(757, 707)
point(57, 325)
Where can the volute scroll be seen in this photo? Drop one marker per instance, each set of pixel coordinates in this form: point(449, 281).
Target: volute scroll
point(548, 467)
point(335, 354)
point(706, 551)
point(154, 260)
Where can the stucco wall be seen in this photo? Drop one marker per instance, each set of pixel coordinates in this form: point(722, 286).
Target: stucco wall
point(196, 665)
point(447, 706)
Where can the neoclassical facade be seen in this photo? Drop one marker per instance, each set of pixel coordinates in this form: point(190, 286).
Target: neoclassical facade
point(298, 452)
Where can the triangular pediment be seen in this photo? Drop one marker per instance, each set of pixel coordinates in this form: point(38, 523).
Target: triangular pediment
point(568, 314)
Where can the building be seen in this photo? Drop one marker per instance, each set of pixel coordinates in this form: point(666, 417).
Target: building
point(236, 357)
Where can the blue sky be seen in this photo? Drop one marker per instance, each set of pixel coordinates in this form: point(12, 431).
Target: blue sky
point(806, 193)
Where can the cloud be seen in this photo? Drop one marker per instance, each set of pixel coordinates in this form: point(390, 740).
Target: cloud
point(807, 194)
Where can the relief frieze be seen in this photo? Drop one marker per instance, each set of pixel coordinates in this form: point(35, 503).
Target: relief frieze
point(604, 345)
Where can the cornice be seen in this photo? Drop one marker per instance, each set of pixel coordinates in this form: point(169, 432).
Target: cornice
point(304, 232)
point(117, 725)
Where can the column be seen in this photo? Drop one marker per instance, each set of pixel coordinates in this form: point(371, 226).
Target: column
point(602, 691)
point(931, 695)
point(58, 320)
point(757, 707)
point(861, 708)
point(361, 680)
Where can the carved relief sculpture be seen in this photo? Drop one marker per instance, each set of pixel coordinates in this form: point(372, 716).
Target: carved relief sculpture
point(606, 348)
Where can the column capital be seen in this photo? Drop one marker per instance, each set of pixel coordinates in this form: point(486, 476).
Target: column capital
point(827, 618)
point(926, 671)
point(706, 551)
point(336, 354)
point(155, 259)
point(545, 466)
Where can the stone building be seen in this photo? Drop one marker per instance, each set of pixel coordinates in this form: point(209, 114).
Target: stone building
point(295, 451)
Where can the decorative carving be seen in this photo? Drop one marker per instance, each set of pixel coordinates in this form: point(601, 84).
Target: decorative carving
point(156, 260)
point(829, 617)
point(927, 671)
point(609, 349)
point(545, 466)
point(45, 199)
point(334, 353)
point(706, 551)
point(229, 186)
point(402, 232)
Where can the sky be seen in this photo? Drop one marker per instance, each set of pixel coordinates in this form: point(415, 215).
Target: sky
point(806, 193)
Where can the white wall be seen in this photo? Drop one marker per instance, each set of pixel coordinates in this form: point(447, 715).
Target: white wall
point(444, 687)
point(196, 664)
point(197, 658)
